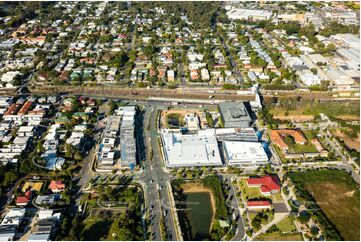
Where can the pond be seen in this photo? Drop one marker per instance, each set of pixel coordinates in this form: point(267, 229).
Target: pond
point(197, 216)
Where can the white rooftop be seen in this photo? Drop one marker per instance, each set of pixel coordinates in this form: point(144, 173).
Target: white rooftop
point(239, 152)
point(191, 149)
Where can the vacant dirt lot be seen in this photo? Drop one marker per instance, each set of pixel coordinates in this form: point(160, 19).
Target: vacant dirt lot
point(348, 117)
point(349, 142)
point(295, 118)
point(341, 206)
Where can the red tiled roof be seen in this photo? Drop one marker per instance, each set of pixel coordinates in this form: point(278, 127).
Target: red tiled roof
point(28, 194)
point(258, 203)
point(11, 110)
point(277, 137)
point(22, 200)
point(56, 185)
point(266, 183)
point(24, 109)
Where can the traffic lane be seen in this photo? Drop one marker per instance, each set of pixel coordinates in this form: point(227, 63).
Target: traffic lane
point(154, 215)
point(240, 233)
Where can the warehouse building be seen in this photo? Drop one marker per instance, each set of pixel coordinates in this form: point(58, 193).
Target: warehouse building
point(200, 149)
point(244, 153)
point(235, 115)
point(249, 14)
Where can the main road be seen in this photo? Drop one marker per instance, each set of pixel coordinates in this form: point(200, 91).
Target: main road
point(155, 179)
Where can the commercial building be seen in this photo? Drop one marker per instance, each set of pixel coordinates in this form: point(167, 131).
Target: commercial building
point(235, 115)
point(242, 153)
point(340, 79)
point(200, 149)
point(249, 14)
point(236, 134)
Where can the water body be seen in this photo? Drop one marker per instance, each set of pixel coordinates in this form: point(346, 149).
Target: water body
point(199, 215)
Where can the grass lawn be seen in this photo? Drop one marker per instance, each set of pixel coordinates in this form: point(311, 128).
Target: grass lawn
point(294, 237)
point(249, 192)
point(306, 148)
point(337, 195)
point(330, 108)
point(252, 215)
point(310, 134)
point(277, 197)
point(286, 225)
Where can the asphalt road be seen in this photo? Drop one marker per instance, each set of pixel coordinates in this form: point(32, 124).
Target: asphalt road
point(155, 179)
point(240, 233)
point(233, 62)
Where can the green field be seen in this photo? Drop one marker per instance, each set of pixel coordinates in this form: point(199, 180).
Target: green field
point(249, 192)
point(284, 230)
point(286, 225)
point(294, 237)
point(337, 195)
point(333, 109)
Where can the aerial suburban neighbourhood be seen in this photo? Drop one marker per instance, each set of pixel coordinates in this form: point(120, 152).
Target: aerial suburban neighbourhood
point(180, 121)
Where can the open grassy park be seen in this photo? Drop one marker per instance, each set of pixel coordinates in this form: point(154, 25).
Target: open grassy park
point(286, 225)
point(286, 231)
point(337, 195)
